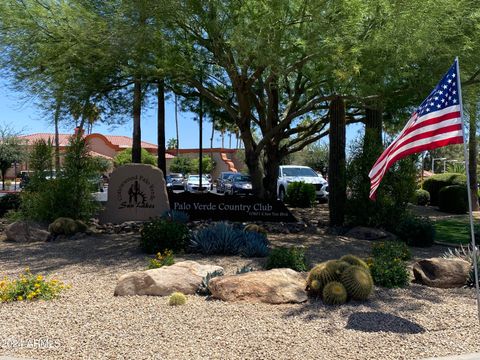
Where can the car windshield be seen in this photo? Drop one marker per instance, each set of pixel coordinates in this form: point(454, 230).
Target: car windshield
point(197, 178)
point(176, 176)
point(305, 172)
point(226, 175)
point(242, 178)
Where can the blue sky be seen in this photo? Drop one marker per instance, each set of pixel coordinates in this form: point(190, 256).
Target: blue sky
point(23, 116)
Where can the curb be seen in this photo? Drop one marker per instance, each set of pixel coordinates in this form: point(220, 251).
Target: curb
point(474, 356)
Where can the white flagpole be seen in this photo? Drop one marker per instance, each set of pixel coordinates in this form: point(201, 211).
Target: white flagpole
point(469, 191)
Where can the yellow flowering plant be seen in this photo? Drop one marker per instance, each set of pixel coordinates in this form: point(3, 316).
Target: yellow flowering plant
point(30, 286)
point(161, 259)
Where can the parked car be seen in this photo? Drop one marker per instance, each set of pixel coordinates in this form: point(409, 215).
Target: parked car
point(239, 184)
point(192, 184)
point(292, 173)
point(221, 180)
point(177, 181)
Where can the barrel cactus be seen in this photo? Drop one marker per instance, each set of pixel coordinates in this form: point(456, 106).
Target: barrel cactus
point(354, 260)
point(358, 282)
point(324, 273)
point(256, 228)
point(177, 298)
point(319, 276)
point(334, 293)
point(337, 267)
point(63, 226)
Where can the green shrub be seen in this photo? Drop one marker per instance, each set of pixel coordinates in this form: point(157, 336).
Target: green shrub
point(293, 258)
point(69, 194)
point(416, 231)
point(388, 267)
point(422, 197)
point(395, 191)
point(125, 157)
point(159, 235)
point(453, 199)
point(300, 194)
point(177, 298)
point(207, 165)
point(391, 250)
point(29, 287)
point(9, 202)
point(438, 181)
point(181, 165)
point(165, 259)
point(388, 272)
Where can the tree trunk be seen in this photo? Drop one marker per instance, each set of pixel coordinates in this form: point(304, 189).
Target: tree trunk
point(255, 170)
point(161, 161)
point(270, 168)
point(373, 131)
point(57, 140)
point(137, 110)
point(472, 152)
point(176, 122)
point(336, 168)
point(223, 138)
point(211, 137)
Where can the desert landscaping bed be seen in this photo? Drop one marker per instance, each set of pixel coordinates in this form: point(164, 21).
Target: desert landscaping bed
point(88, 322)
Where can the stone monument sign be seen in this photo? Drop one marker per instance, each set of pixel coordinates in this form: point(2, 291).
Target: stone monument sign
point(136, 192)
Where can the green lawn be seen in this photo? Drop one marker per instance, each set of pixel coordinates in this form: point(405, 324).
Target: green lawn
point(455, 231)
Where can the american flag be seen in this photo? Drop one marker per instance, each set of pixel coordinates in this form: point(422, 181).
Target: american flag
point(435, 123)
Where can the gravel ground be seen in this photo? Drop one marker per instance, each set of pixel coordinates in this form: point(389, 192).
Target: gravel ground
point(88, 322)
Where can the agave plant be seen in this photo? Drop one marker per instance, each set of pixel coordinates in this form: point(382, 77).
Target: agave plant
point(255, 245)
point(176, 215)
point(467, 254)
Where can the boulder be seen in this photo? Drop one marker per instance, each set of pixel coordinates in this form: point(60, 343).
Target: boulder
point(26, 231)
point(366, 233)
point(185, 277)
point(441, 273)
point(276, 286)
point(63, 226)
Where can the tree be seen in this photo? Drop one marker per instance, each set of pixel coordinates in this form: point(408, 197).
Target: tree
point(473, 149)
point(261, 64)
point(11, 150)
point(125, 157)
point(172, 144)
point(207, 165)
point(181, 165)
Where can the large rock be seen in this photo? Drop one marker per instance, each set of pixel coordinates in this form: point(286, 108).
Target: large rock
point(26, 231)
point(277, 286)
point(366, 233)
point(441, 273)
point(185, 277)
point(136, 192)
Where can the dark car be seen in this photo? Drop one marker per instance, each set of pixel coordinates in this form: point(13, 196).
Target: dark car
point(176, 181)
point(238, 184)
point(221, 180)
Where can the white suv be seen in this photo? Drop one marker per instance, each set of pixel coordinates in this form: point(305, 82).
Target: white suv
point(291, 173)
